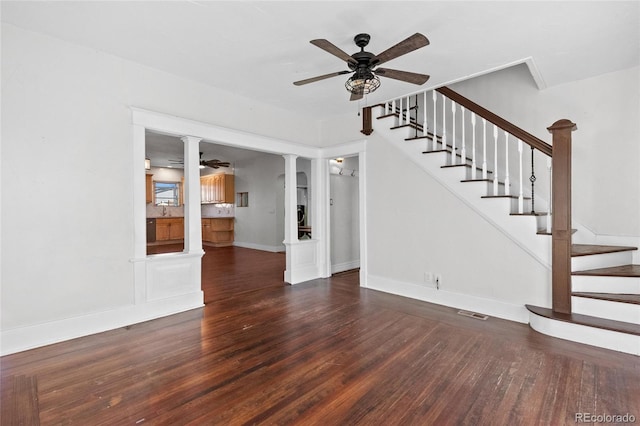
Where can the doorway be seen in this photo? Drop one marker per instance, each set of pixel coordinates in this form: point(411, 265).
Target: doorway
point(344, 204)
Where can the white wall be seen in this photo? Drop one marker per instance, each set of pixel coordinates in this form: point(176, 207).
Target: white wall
point(67, 125)
point(606, 148)
point(256, 225)
point(415, 225)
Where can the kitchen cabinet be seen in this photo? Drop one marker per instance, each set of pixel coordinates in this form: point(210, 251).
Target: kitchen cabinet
point(149, 188)
point(218, 231)
point(218, 188)
point(169, 228)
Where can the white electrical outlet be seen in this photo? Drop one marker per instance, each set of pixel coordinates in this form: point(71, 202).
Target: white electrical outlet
point(428, 277)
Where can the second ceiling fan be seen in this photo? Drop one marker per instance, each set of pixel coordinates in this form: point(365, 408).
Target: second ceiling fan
point(363, 64)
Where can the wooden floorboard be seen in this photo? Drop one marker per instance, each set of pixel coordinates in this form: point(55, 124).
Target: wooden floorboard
point(325, 352)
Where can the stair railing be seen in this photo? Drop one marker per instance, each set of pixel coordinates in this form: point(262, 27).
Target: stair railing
point(444, 129)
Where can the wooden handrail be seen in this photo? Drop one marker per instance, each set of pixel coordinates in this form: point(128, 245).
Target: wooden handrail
point(561, 214)
point(516, 131)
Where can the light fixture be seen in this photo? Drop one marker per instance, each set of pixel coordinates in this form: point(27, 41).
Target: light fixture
point(339, 160)
point(362, 82)
point(147, 164)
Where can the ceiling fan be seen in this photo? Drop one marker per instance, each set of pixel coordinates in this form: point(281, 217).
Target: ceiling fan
point(214, 164)
point(363, 64)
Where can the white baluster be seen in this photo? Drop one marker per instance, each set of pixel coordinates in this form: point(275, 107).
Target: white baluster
point(393, 106)
point(507, 182)
point(454, 159)
point(386, 107)
point(521, 194)
point(473, 145)
point(434, 141)
point(495, 159)
point(463, 143)
point(444, 122)
point(550, 194)
point(425, 128)
point(406, 117)
point(484, 148)
point(399, 122)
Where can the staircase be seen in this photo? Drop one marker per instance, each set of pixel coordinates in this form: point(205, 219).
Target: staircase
point(496, 169)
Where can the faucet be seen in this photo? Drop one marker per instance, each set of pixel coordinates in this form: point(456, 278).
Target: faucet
point(164, 210)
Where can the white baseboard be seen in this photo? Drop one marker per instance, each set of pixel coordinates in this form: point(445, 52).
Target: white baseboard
point(29, 337)
point(345, 266)
point(490, 307)
point(274, 249)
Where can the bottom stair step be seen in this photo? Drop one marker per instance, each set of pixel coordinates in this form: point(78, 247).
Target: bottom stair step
point(587, 320)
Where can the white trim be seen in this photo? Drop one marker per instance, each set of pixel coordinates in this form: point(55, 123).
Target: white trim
point(359, 148)
point(29, 337)
point(220, 135)
point(491, 307)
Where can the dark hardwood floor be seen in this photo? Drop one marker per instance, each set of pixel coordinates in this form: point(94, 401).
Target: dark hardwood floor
point(324, 352)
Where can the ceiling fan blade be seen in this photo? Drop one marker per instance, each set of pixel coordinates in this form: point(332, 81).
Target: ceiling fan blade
point(407, 45)
point(355, 96)
point(215, 164)
point(327, 46)
point(409, 77)
point(320, 77)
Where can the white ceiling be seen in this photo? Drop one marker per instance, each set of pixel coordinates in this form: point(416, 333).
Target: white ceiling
point(257, 49)
point(228, 44)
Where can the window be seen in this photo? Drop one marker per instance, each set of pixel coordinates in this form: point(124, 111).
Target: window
point(242, 199)
point(167, 193)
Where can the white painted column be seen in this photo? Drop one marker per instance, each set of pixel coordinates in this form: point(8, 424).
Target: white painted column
point(320, 224)
point(192, 209)
point(139, 216)
point(362, 194)
point(290, 212)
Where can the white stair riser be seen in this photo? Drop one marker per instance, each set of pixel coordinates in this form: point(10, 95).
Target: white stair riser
point(606, 260)
point(625, 312)
point(621, 285)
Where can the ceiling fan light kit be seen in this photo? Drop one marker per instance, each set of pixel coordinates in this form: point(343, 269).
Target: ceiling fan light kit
point(363, 64)
point(362, 83)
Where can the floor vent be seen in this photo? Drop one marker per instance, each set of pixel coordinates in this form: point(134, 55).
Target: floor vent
point(473, 315)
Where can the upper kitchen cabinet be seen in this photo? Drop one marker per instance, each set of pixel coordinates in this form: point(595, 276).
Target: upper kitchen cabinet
point(218, 188)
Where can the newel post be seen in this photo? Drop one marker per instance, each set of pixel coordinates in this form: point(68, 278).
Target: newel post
point(561, 215)
point(367, 124)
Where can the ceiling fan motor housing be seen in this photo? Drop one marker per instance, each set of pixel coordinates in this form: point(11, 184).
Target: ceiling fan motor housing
point(362, 40)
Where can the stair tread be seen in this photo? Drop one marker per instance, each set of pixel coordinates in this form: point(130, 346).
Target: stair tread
point(613, 297)
point(412, 125)
point(514, 197)
point(589, 249)
point(529, 214)
point(613, 271)
point(587, 320)
point(545, 232)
